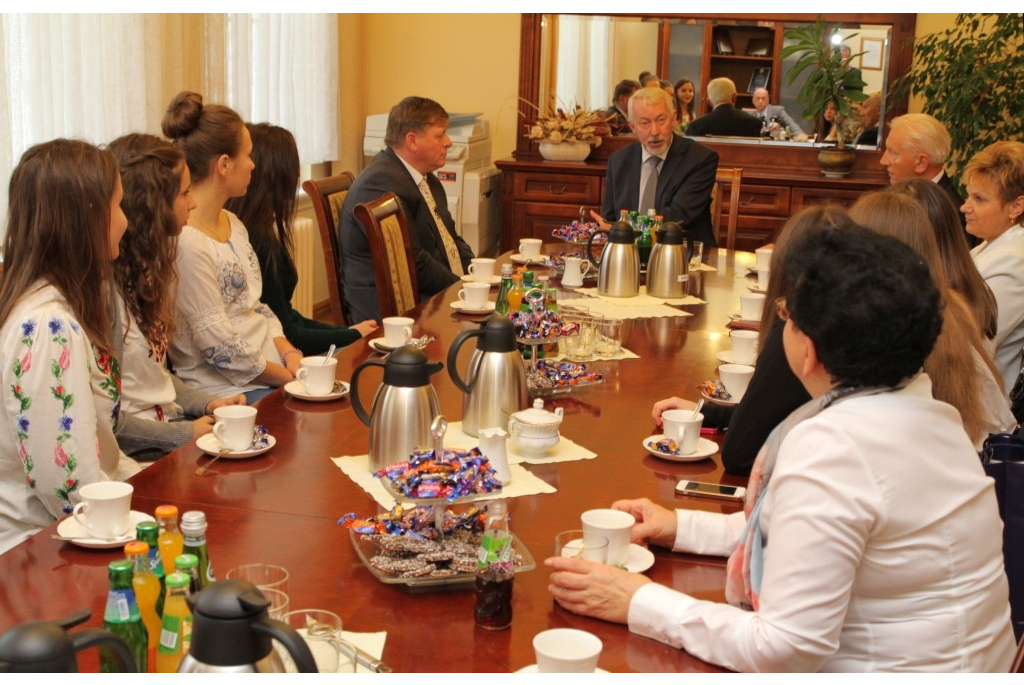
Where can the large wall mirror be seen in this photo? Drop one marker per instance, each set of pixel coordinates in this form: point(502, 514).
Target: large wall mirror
point(572, 58)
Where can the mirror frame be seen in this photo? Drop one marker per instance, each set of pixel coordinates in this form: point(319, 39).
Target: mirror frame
point(903, 26)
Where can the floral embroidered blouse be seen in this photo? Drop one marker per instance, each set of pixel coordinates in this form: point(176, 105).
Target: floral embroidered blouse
point(61, 398)
point(223, 334)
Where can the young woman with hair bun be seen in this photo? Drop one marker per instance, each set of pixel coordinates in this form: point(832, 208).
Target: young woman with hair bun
point(225, 340)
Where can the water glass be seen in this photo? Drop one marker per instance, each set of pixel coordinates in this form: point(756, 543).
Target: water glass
point(321, 630)
point(609, 340)
point(697, 254)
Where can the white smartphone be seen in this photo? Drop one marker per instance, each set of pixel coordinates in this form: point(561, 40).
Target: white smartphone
point(695, 488)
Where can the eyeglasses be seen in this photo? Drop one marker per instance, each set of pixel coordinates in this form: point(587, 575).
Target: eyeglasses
point(780, 309)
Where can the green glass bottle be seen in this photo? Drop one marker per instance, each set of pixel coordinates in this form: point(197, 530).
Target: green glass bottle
point(501, 304)
point(123, 618)
point(193, 527)
point(149, 532)
point(644, 245)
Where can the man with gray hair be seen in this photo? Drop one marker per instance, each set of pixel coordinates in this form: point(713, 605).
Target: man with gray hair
point(917, 147)
point(661, 171)
point(724, 119)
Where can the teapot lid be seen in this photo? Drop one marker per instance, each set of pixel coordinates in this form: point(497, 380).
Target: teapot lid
point(672, 233)
point(497, 334)
point(39, 646)
point(621, 232)
point(537, 415)
point(229, 599)
point(408, 367)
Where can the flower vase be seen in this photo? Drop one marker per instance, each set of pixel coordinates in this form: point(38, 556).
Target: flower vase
point(565, 151)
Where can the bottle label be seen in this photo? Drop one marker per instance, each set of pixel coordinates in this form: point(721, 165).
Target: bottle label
point(495, 553)
point(156, 564)
point(121, 607)
point(172, 633)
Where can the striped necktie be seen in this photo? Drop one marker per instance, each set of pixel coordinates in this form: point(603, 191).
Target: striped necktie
point(452, 250)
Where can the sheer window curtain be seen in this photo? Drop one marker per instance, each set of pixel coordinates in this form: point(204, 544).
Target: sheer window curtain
point(99, 76)
point(583, 50)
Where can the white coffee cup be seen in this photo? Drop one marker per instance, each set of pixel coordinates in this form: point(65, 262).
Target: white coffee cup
point(751, 305)
point(613, 524)
point(105, 509)
point(566, 650)
point(764, 257)
point(762, 279)
point(683, 427)
point(575, 270)
point(744, 346)
point(474, 295)
point(317, 375)
point(397, 330)
point(234, 427)
point(482, 269)
point(530, 247)
point(735, 378)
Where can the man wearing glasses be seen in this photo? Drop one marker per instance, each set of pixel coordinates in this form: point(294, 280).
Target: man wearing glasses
point(669, 173)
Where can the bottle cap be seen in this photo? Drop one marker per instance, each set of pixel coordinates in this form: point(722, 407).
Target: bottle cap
point(186, 561)
point(167, 511)
point(193, 522)
point(178, 580)
point(136, 548)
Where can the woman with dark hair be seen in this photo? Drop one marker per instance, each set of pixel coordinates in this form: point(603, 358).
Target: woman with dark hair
point(157, 201)
point(994, 210)
point(225, 340)
point(60, 379)
point(956, 264)
point(684, 97)
point(267, 210)
point(865, 542)
point(960, 366)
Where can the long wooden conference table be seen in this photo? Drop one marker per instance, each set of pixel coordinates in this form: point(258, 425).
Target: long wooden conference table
point(283, 507)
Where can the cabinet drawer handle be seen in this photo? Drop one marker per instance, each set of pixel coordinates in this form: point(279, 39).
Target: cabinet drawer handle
point(558, 192)
point(747, 202)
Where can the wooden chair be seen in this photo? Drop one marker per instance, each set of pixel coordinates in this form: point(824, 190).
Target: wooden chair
point(328, 194)
point(394, 266)
point(734, 177)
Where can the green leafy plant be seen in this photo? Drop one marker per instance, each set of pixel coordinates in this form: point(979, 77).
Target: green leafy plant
point(970, 78)
point(830, 80)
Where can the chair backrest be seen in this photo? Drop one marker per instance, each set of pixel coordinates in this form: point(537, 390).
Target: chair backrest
point(394, 266)
point(733, 177)
point(328, 194)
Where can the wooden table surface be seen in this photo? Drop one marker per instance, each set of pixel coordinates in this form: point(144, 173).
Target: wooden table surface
point(283, 507)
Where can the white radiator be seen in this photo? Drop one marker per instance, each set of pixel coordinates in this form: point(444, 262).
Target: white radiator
point(306, 239)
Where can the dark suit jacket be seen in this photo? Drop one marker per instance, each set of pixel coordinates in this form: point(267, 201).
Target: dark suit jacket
point(433, 273)
point(684, 185)
point(726, 120)
point(617, 122)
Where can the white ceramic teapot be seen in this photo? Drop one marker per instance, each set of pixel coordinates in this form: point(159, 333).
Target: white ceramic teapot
point(535, 430)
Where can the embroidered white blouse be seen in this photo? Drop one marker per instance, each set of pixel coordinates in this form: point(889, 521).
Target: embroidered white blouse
point(223, 334)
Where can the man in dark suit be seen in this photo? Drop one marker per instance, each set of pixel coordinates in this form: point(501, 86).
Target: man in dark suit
point(725, 119)
point(417, 143)
point(917, 147)
point(681, 171)
point(618, 113)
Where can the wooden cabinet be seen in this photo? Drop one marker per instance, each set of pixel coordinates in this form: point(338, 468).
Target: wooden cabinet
point(745, 52)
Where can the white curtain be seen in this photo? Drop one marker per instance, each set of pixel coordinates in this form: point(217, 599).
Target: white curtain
point(99, 76)
point(583, 54)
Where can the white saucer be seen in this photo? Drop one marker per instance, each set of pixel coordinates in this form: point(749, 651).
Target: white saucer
point(755, 288)
point(70, 528)
point(296, 390)
point(211, 445)
point(705, 448)
point(379, 345)
point(727, 358)
point(638, 558)
point(532, 668)
point(715, 400)
point(736, 316)
point(520, 259)
point(468, 278)
point(462, 308)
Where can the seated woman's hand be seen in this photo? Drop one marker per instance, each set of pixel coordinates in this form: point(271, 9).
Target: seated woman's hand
point(654, 524)
point(202, 426)
point(218, 402)
point(366, 327)
point(592, 589)
point(662, 406)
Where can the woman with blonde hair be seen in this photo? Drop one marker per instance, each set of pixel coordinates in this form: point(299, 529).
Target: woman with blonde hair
point(157, 201)
point(994, 210)
point(225, 340)
point(60, 379)
point(960, 367)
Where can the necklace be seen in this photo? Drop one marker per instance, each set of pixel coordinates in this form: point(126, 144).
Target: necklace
point(214, 232)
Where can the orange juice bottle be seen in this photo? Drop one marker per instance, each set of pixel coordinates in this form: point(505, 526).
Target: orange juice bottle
point(176, 627)
point(515, 293)
point(170, 541)
point(147, 592)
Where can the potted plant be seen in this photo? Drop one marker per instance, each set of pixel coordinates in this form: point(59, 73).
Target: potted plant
point(568, 134)
point(969, 76)
point(830, 81)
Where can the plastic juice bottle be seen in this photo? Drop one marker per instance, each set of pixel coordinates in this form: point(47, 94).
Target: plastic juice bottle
point(148, 532)
point(176, 628)
point(171, 541)
point(147, 592)
point(122, 618)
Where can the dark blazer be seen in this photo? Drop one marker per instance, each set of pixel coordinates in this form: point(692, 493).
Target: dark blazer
point(684, 185)
point(726, 120)
point(386, 172)
point(617, 122)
